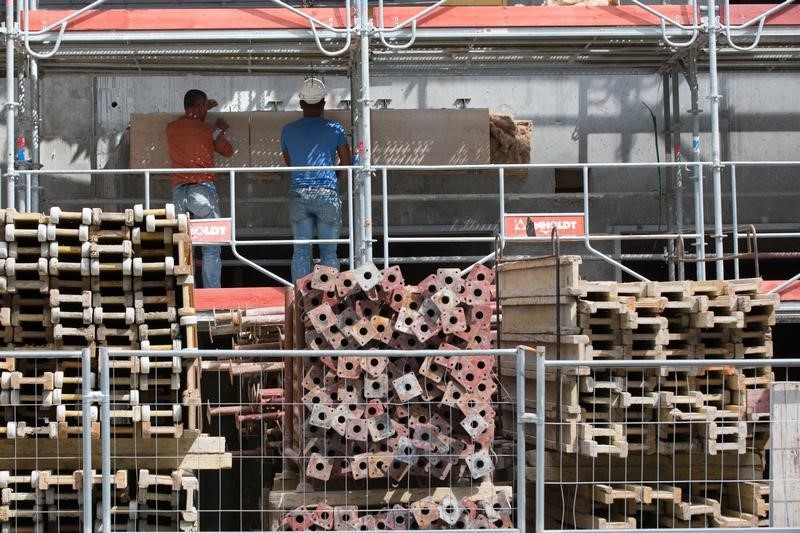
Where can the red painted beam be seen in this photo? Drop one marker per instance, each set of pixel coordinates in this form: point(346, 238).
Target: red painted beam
point(187, 19)
point(788, 294)
point(239, 298)
point(446, 17)
point(570, 16)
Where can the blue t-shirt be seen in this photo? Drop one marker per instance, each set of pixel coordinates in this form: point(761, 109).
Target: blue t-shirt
point(312, 142)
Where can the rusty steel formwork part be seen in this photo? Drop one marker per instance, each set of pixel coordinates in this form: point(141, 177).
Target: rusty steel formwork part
point(394, 421)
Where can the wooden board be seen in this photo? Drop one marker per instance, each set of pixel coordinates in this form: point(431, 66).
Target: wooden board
point(190, 452)
point(430, 137)
point(265, 134)
point(149, 139)
point(291, 500)
point(785, 462)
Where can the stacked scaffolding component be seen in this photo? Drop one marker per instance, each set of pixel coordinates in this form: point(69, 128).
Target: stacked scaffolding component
point(90, 279)
point(688, 440)
point(367, 427)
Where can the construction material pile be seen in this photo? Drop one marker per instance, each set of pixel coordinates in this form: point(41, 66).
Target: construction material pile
point(91, 279)
point(377, 422)
point(653, 418)
point(51, 501)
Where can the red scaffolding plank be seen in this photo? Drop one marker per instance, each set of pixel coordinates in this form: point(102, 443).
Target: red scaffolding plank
point(187, 19)
point(787, 294)
point(487, 17)
point(239, 298)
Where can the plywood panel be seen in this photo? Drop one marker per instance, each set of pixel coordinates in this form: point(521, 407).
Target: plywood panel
point(399, 137)
point(149, 141)
point(430, 137)
point(265, 134)
point(785, 463)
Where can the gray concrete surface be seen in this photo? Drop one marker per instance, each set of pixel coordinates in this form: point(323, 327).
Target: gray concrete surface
point(577, 119)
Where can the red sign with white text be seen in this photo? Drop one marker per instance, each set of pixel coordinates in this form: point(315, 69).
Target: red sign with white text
point(541, 224)
point(210, 231)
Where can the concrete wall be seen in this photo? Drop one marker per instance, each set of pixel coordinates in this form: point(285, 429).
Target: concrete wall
point(577, 118)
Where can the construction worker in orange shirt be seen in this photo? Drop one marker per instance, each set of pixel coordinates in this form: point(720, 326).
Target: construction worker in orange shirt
point(192, 142)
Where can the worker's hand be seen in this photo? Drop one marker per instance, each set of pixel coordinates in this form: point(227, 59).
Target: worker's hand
point(221, 124)
point(211, 104)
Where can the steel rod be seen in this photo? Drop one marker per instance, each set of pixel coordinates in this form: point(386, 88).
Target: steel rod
point(735, 222)
point(86, 434)
point(105, 439)
point(716, 169)
point(10, 103)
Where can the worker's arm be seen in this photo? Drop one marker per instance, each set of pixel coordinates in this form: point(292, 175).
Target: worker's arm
point(221, 145)
point(286, 157)
point(345, 158)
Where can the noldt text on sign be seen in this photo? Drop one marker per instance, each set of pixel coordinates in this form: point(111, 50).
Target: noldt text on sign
point(210, 231)
point(521, 225)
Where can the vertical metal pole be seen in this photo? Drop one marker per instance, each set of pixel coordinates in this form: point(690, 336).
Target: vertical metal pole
point(669, 150)
point(10, 103)
point(35, 148)
point(501, 185)
point(714, 97)
point(520, 462)
point(147, 189)
point(540, 422)
point(86, 433)
point(385, 202)
point(699, 213)
point(364, 190)
point(676, 136)
point(735, 217)
point(350, 243)
point(105, 438)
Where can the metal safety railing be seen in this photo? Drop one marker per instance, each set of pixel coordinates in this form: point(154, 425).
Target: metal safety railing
point(364, 227)
point(666, 444)
point(642, 445)
point(149, 430)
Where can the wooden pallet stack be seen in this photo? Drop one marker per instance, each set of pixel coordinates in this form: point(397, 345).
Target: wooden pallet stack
point(91, 279)
point(645, 422)
point(365, 428)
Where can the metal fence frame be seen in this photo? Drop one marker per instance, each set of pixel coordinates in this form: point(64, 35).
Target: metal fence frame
point(364, 227)
point(522, 418)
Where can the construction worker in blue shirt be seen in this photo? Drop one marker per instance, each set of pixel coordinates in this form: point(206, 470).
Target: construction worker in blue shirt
point(314, 204)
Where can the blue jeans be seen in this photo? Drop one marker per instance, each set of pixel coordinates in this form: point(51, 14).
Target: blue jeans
point(314, 208)
point(201, 201)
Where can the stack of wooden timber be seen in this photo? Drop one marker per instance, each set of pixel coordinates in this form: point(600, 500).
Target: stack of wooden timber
point(91, 279)
point(612, 427)
point(365, 427)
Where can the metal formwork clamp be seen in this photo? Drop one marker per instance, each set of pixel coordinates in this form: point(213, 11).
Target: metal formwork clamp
point(425, 511)
point(319, 467)
point(376, 387)
point(346, 284)
point(363, 332)
point(479, 464)
point(322, 317)
point(367, 276)
point(345, 517)
point(477, 293)
point(380, 427)
point(324, 278)
point(374, 366)
point(392, 278)
point(407, 387)
point(453, 320)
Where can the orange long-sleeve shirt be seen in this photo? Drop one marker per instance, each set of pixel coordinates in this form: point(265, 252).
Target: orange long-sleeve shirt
point(191, 144)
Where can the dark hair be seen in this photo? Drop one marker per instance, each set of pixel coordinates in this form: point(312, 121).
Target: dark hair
point(193, 97)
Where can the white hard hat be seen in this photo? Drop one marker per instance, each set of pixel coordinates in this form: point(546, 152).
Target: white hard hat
point(312, 90)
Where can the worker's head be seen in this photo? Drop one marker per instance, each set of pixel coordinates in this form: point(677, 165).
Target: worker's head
point(195, 103)
point(312, 95)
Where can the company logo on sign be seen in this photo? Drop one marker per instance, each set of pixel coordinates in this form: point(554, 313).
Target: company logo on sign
point(210, 230)
point(541, 224)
